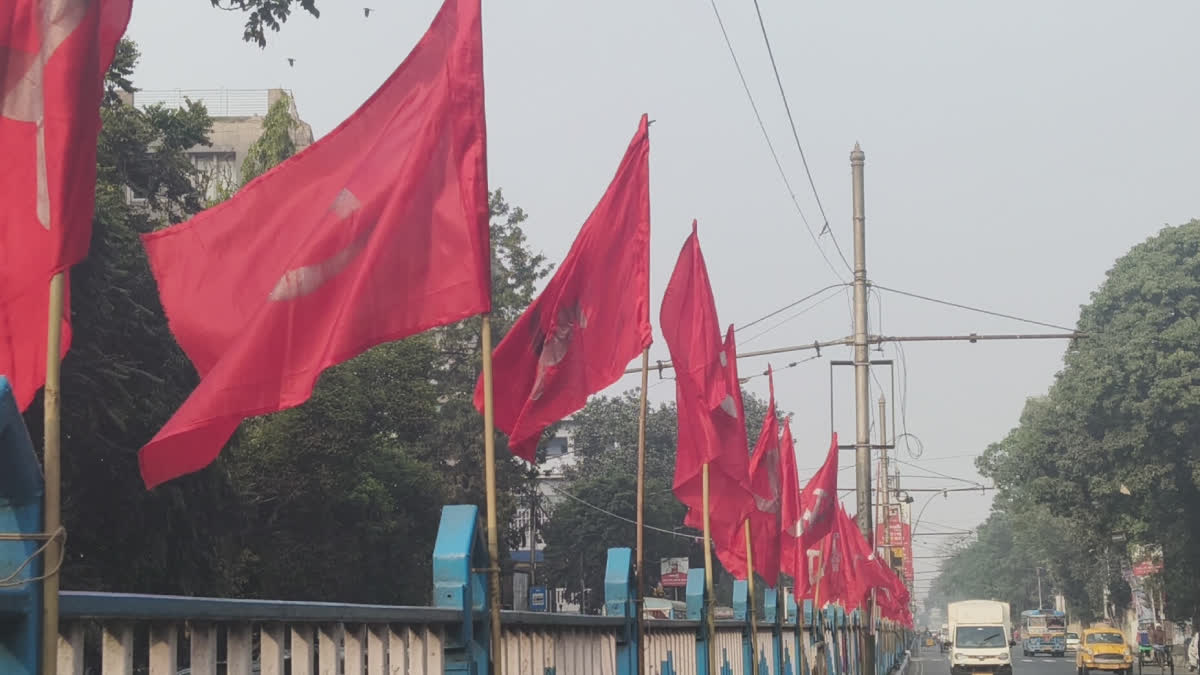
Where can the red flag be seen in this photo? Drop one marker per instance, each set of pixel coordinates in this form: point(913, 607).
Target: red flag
point(792, 559)
point(376, 232)
point(591, 320)
point(862, 563)
point(709, 400)
point(766, 487)
point(818, 502)
point(53, 57)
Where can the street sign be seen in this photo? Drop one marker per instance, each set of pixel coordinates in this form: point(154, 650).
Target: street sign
point(537, 599)
point(674, 572)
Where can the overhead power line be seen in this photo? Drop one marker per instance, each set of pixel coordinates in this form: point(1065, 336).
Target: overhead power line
point(618, 516)
point(970, 308)
point(796, 136)
point(775, 155)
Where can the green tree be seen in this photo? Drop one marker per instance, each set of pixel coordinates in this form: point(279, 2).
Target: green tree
point(336, 485)
point(263, 15)
point(275, 144)
point(594, 512)
point(124, 376)
point(1111, 449)
point(579, 533)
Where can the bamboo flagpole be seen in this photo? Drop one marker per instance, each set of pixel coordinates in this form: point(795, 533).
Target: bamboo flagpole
point(489, 476)
point(710, 597)
point(640, 563)
point(750, 601)
point(52, 467)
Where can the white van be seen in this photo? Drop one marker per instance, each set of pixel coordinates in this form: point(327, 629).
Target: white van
point(980, 637)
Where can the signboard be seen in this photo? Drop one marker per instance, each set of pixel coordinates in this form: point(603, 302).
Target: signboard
point(906, 537)
point(897, 535)
point(674, 572)
point(537, 599)
point(1147, 560)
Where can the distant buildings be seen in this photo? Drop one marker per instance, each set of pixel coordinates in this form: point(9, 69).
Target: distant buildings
point(237, 122)
point(551, 481)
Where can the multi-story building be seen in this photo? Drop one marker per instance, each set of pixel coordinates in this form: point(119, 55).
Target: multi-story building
point(237, 116)
point(529, 553)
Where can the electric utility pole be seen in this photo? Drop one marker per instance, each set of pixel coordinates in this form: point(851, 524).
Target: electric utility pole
point(862, 385)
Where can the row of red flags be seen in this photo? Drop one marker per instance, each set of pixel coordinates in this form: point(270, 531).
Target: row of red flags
point(803, 533)
point(379, 231)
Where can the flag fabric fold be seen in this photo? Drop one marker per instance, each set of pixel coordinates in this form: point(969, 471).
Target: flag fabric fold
point(709, 401)
point(818, 502)
point(766, 467)
point(817, 507)
point(53, 58)
point(792, 559)
point(590, 321)
point(375, 232)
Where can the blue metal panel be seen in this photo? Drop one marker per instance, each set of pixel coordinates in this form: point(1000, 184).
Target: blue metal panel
point(620, 600)
point(771, 606)
point(459, 557)
point(21, 491)
point(740, 597)
point(695, 595)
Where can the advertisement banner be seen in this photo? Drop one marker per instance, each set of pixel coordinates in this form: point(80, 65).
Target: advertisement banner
point(674, 572)
point(1147, 559)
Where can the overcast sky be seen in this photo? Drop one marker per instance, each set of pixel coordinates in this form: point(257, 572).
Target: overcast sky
point(1014, 151)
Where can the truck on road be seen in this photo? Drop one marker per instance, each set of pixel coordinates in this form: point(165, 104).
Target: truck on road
point(980, 637)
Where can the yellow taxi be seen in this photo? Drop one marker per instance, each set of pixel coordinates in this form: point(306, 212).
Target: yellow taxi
point(1103, 648)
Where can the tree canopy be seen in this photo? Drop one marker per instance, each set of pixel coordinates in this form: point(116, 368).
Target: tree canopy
point(1110, 457)
point(264, 15)
point(595, 511)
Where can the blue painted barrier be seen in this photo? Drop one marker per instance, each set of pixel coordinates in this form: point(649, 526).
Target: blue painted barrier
point(21, 491)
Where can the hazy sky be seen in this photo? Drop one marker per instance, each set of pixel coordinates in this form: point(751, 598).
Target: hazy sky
point(1014, 151)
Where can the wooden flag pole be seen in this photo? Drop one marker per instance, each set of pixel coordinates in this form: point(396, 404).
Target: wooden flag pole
point(750, 601)
point(52, 467)
point(489, 476)
point(640, 564)
point(710, 595)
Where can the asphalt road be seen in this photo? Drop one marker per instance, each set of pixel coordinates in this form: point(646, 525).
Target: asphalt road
point(929, 661)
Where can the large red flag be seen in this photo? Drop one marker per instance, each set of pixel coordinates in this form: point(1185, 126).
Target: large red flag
point(53, 57)
point(766, 487)
point(375, 232)
point(591, 320)
point(812, 519)
point(818, 502)
point(709, 401)
point(792, 559)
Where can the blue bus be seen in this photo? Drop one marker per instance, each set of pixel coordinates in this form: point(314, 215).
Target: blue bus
point(1043, 631)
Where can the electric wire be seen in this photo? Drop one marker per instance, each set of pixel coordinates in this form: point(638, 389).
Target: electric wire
point(617, 516)
point(938, 473)
point(787, 307)
point(791, 317)
point(796, 136)
point(970, 308)
point(779, 165)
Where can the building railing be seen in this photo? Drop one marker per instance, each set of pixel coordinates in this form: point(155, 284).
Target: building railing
point(219, 102)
